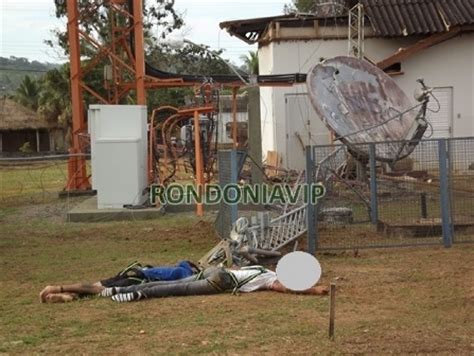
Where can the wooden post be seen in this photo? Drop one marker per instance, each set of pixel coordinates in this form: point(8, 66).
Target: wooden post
point(255, 135)
point(234, 117)
point(199, 162)
point(332, 310)
point(37, 140)
point(424, 206)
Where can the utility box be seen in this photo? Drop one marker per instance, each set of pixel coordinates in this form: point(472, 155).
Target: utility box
point(118, 154)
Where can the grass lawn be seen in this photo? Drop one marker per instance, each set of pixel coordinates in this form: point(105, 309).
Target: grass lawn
point(32, 183)
point(402, 301)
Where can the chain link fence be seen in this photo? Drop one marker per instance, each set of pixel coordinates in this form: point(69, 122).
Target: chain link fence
point(426, 198)
point(461, 188)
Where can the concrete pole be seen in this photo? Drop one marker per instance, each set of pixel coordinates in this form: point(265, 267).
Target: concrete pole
point(255, 135)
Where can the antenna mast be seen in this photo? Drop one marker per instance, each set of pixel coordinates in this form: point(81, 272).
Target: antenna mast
point(356, 31)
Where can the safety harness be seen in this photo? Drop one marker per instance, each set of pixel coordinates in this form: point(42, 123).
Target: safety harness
point(259, 270)
point(134, 272)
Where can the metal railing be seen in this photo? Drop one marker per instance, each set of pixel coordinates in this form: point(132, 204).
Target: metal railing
point(282, 230)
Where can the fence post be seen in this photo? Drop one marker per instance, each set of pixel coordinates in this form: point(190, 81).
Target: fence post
point(374, 212)
point(310, 209)
point(444, 194)
point(234, 177)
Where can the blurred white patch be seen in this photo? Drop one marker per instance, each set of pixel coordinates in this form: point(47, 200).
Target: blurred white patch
point(298, 270)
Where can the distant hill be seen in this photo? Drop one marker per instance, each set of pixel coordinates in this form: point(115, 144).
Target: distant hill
point(13, 70)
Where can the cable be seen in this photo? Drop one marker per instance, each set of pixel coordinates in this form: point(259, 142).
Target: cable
point(437, 101)
point(379, 124)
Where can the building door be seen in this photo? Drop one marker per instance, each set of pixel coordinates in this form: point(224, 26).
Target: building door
point(303, 127)
point(440, 115)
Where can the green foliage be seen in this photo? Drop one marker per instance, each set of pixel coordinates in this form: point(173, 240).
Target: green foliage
point(251, 62)
point(300, 6)
point(27, 93)
point(169, 96)
point(26, 148)
point(50, 94)
point(13, 70)
point(160, 19)
point(54, 96)
point(188, 59)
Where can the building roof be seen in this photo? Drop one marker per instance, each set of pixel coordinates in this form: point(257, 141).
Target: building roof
point(251, 30)
point(388, 18)
point(254, 30)
point(14, 116)
point(394, 18)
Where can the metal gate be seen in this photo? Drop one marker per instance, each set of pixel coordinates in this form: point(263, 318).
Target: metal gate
point(440, 113)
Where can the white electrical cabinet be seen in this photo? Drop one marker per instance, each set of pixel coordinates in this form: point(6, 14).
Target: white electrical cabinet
point(118, 154)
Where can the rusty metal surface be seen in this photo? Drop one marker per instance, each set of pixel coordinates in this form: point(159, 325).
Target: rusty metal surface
point(417, 17)
point(361, 104)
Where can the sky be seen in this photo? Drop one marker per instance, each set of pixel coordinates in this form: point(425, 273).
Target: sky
point(26, 24)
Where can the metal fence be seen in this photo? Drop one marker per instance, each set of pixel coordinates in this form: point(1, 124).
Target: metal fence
point(424, 199)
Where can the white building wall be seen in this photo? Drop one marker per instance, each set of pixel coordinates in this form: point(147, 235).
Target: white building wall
point(267, 104)
point(292, 57)
point(449, 64)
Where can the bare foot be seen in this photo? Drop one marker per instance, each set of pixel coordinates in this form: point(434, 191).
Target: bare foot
point(320, 290)
point(48, 290)
point(59, 298)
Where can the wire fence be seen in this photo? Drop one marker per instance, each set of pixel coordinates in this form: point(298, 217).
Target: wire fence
point(34, 187)
point(29, 180)
point(426, 198)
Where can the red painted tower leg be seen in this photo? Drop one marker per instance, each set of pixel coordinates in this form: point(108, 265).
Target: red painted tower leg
point(199, 162)
point(139, 51)
point(77, 172)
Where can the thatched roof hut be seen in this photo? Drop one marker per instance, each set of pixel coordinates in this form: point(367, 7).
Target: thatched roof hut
point(20, 126)
point(14, 116)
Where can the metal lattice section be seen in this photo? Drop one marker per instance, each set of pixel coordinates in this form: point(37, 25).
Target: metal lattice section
point(226, 215)
point(282, 230)
point(333, 172)
point(331, 163)
point(356, 31)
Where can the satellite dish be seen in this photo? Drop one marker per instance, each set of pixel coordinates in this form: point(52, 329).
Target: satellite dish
point(362, 104)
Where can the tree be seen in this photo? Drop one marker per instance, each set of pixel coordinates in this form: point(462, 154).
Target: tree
point(27, 93)
point(159, 19)
point(54, 102)
point(251, 62)
point(300, 6)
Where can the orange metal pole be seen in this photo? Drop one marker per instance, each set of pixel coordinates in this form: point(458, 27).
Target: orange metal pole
point(139, 51)
point(199, 162)
point(77, 172)
point(234, 117)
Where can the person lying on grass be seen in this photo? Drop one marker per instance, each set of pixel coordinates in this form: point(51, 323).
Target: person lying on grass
point(132, 275)
point(215, 280)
